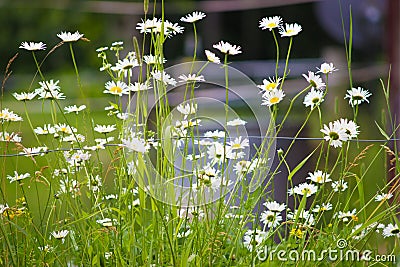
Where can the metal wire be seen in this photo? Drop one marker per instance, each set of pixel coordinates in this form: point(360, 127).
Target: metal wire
point(254, 136)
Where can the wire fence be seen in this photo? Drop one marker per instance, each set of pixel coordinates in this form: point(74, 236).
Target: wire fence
point(157, 140)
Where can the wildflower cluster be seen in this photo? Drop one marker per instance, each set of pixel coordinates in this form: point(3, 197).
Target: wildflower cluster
point(161, 182)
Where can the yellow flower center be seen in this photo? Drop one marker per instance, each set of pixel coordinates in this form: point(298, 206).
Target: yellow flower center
point(271, 86)
point(236, 146)
point(306, 191)
point(290, 31)
point(271, 25)
point(274, 100)
point(116, 89)
point(319, 179)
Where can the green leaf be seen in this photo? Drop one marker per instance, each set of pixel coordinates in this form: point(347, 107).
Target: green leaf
point(382, 131)
point(298, 167)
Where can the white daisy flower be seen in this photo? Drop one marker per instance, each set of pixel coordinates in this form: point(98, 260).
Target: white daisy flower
point(339, 186)
point(122, 116)
point(335, 134)
point(10, 137)
point(269, 85)
point(125, 65)
point(274, 206)
point(192, 157)
point(273, 97)
point(110, 196)
point(152, 60)
point(321, 208)
point(234, 154)
point(148, 26)
point(314, 80)
point(209, 177)
point(227, 48)
point(107, 222)
point(135, 144)
point(271, 219)
point(236, 122)
point(51, 95)
point(304, 217)
point(270, 23)
point(34, 151)
point(102, 49)
point(74, 108)
point(313, 98)
point(115, 88)
point(46, 248)
point(212, 57)
point(326, 68)
point(216, 152)
point(357, 95)
point(104, 128)
point(48, 86)
point(242, 167)
point(187, 109)
point(319, 177)
point(69, 37)
point(47, 129)
point(383, 196)
point(17, 177)
point(7, 115)
point(391, 230)
point(191, 78)
point(162, 76)
point(24, 96)
point(170, 28)
point(60, 234)
point(238, 143)
point(74, 138)
point(303, 189)
point(290, 30)
point(117, 44)
point(136, 87)
point(215, 134)
point(32, 46)
point(254, 238)
point(350, 127)
point(184, 124)
point(105, 67)
point(77, 157)
point(155, 25)
point(64, 128)
point(346, 216)
point(195, 16)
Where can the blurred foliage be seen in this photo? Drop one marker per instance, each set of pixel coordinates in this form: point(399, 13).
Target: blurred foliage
point(41, 21)
point(26, 20)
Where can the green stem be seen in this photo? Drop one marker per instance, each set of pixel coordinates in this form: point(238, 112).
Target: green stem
point(287, 62)
point(277, 55)
point(30, 123)
point(77, 74)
